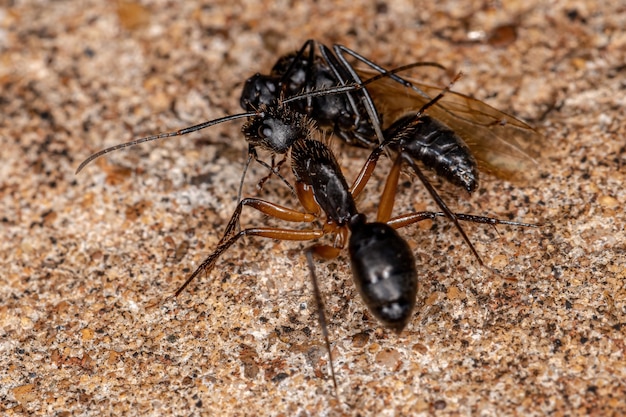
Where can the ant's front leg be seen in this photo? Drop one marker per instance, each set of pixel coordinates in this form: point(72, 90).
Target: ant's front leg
point(274, 170)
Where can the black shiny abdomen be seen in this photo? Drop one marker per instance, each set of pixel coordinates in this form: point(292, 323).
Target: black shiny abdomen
point(438, 147)
point(383, 267)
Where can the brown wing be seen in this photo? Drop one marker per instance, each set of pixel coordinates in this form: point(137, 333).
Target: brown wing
point(502, 144)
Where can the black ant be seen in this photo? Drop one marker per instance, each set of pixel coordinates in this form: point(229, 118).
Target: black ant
point(346, 115)
point(383, 265)
point(459, 133)
point(276, 127)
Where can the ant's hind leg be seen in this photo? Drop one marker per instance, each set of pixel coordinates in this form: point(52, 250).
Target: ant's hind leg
point(340, 50)
point(442, 205)
point(273, 210)
point(324, 251)
point(411, 218)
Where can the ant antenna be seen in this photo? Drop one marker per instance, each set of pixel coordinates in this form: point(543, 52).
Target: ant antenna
point(180, 132)
point(332, 90)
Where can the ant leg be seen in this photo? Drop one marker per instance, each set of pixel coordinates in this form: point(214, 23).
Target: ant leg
point(366, 172)
point(340, 49)
point(266, 232)
point(326, 252)
point(492, 221)
point(265, 207)
point(284, 80)
point(251, 154)
point(411, 218)
point(275, 169)
point(273, 210)
point(402, 68)
point(370, 164)
point(321, 312)
point(366, 99)
point(310, 44)
point(389, 192)
point(388, 197)
point(442, 205)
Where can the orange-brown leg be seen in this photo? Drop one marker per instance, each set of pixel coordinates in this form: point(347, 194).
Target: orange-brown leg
point(366, 172)
point(388, 197)
point(270, 209)
point(307, 199)
point(266, 232)
point(265, 207)
point(411, 218)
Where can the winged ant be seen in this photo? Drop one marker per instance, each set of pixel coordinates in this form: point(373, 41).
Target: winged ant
point(457, 135)
point(383, 265)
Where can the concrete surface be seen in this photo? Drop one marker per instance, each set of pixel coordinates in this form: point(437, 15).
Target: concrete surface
point(88, 261)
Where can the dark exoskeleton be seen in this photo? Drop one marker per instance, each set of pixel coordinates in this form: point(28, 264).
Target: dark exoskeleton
point(305, 71)
point(353, 117)
point(383, 264)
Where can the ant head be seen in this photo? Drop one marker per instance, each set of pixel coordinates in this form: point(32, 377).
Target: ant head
point(292, 70)
point(289, 73)
point(276, 128)
point(259, 90)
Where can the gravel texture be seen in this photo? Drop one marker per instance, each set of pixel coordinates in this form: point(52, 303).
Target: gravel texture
point(88, 260)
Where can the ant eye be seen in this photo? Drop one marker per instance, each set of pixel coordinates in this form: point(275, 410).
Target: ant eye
point(265, 131)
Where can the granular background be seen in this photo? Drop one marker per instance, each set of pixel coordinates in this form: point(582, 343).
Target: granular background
point(88, 261)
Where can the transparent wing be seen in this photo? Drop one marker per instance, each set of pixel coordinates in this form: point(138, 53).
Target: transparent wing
point(502, 144)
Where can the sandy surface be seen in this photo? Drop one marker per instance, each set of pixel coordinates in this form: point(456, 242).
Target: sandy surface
point(89, 260)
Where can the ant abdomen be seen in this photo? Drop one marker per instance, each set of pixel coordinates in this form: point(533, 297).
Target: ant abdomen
point(384, 271)
point(438, 147)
